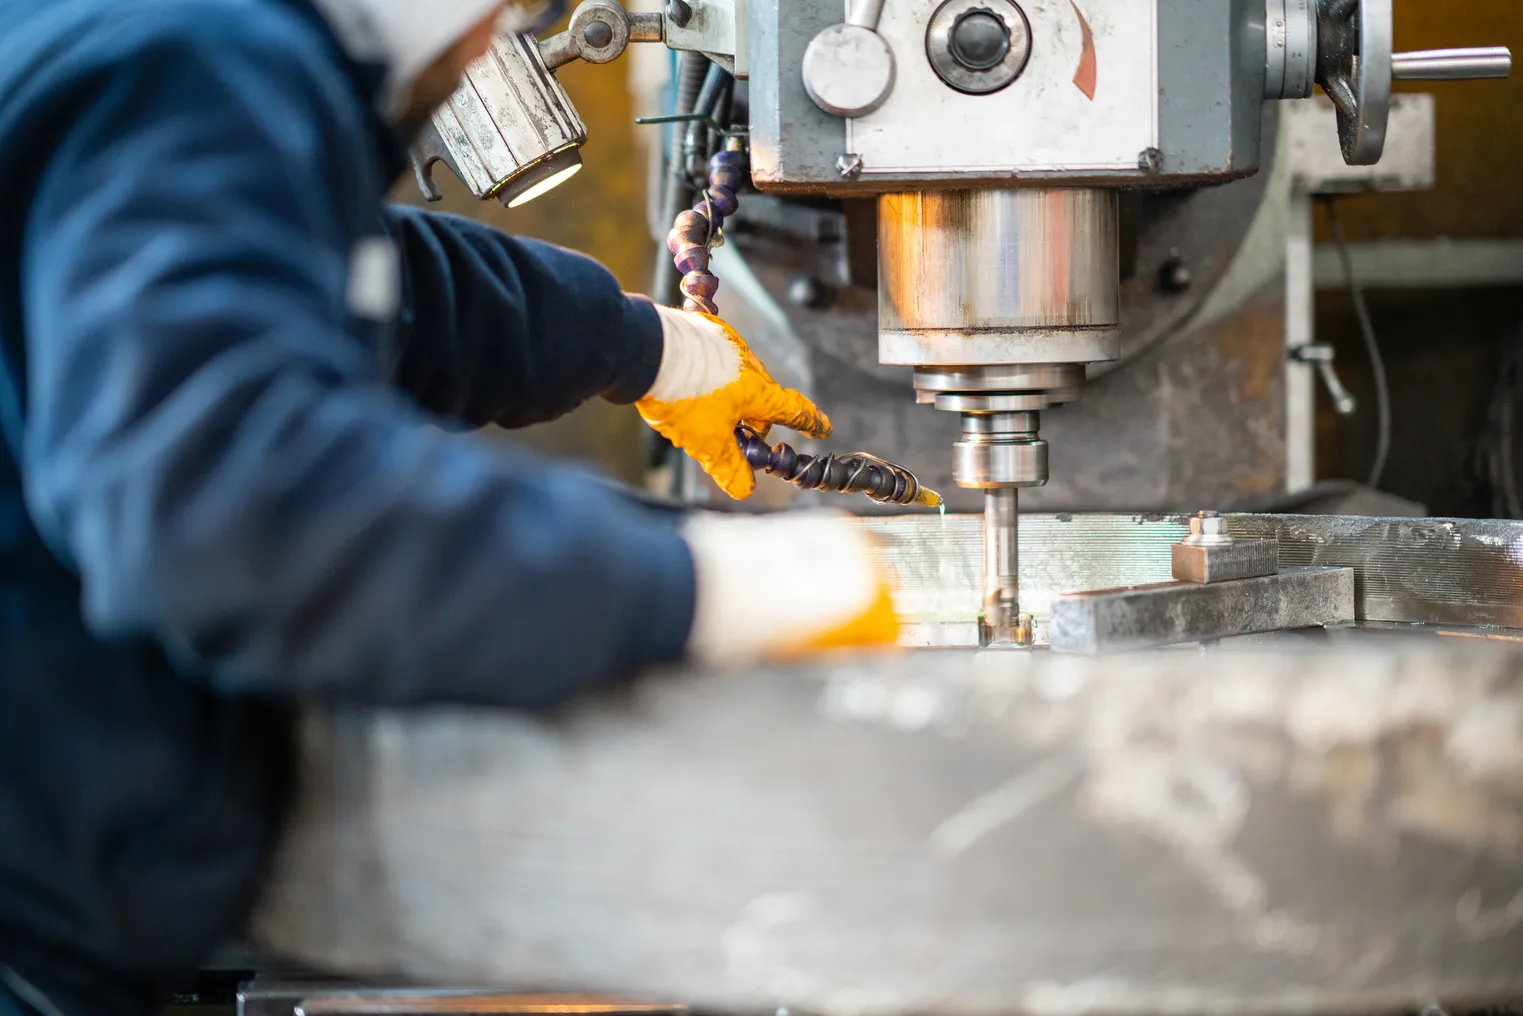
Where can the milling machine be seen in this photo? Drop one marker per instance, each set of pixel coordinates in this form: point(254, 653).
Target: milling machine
point(997, 138)
point(1314, 822)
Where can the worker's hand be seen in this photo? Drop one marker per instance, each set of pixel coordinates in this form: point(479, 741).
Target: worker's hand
point(785, 587)
point(710, 382)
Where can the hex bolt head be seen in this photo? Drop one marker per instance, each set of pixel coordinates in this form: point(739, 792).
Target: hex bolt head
point(598, 34)
point(679, 13)
point(1208, 529)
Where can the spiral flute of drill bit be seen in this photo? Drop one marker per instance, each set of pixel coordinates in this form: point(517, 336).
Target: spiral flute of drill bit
point(857, 473)
point(693, 233)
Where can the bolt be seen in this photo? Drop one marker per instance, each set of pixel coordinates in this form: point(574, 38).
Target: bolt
point(678, 12)
point(849, 165)
point(1150, 160)
point(598, 34)
point(1209, 527)
point(808, 292)
point(1174, 276)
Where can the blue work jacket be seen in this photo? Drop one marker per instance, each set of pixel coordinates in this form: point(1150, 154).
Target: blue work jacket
point(228, 484)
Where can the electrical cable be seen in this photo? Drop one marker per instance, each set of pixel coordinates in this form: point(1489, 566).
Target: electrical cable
point(1371, 345)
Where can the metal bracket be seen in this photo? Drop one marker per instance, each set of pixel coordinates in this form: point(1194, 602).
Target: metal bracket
point(599, 32)
point(1210, 554)
point(716, 28)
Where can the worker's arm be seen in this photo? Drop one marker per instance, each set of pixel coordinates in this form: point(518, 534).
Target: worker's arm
point(500, 330)
point(214, 450)
point(495, 329)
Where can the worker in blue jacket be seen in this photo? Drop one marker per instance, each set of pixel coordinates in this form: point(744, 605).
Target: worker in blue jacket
point(234, 476)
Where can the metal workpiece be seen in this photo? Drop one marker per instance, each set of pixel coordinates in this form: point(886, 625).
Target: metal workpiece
point(1209, 553)
point(1238, 559)
point(1411, 571)
point(1171, 613)
point(1408, 571)
point(508, 132)
point(993, 263)
point(978, 46)
point(1325, 829)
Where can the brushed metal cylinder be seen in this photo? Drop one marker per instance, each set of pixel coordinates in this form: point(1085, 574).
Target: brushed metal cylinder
point(1002, 588)
point(509, 131)
point(999, 276)
point(1000, 450)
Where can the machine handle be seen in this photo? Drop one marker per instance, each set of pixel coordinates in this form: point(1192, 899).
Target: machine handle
point(1346, 47)
point(1452, 64)
point(865, 14)
point(1320, 357)
point(848, 68)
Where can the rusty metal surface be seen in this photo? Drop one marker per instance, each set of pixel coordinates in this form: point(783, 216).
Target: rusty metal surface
point(1437, 571)
point(1330, 829)
point(1170, 613)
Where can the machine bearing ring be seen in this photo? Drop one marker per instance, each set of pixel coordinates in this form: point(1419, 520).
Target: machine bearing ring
point(942, 51)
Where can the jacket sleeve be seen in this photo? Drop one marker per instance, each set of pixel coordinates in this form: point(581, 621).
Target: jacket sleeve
point(500, 330)
point(223, 462)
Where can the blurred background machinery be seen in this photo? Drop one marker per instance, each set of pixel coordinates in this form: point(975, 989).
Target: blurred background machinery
point(1203, 296)
point(994, 174)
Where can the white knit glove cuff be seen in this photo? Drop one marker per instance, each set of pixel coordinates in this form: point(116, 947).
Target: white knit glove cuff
point(697, 357)
point(771, 579)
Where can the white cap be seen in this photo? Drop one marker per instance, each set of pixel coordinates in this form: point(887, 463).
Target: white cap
point(404, 35)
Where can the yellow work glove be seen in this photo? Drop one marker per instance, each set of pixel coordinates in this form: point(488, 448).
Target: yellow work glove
point(708, 383)
point(785, 587)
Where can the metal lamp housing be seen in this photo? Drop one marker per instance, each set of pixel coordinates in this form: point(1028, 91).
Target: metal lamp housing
point(508, 132)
